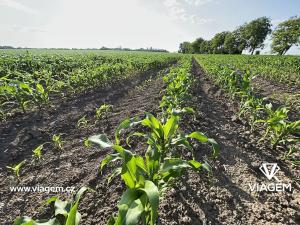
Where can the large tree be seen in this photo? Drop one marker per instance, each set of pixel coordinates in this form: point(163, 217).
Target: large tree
point(230, 44)
point(185, 47)
point(255, 33)
point(205, 47)
point(286, 35)
point(217, 43)
point(196, 45)
point(234, 42)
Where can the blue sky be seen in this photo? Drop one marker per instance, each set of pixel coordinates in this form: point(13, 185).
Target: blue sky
point(130, 23)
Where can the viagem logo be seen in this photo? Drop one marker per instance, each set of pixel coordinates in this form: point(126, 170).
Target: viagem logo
point(270, 170)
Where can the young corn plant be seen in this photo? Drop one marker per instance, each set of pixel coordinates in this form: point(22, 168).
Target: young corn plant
point(87, 143)
point(102, 111)
point(278, 127)
point(65, 212)
point(21, 92)
point(41, 96)
point(289, 155)
point(82, 122)
point(252, 108)
point(37, 152)
point(17, 168)
point(146, 177)
point(57, 142)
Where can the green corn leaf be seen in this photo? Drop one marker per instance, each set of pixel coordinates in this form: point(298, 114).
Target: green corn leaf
point(129, 171)
point(74, 216)
point(170, 127)
point(195, 164)
point(134, 212)
point(108, 159)
point(111, 221)
point(135, 134)
point(28, 221)
point(204, 139)
point(183, 110)
point(116, 172)
point(127, 123)
point(199, 136)
point(101, 140)
point(173, 168)
point(50, 200)
point(152, 193)
point(81, 191)
point(128, 197)
point(40, 88)
point(62, 207)
point(151, 122)
point(140, 163)
point(216, 147)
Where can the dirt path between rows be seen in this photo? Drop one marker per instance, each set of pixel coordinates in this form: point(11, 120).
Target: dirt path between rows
point(75, 165)
point(226, 198)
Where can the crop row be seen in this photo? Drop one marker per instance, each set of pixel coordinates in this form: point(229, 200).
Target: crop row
point(147, 173)
point(277, 127)
point(31, 81)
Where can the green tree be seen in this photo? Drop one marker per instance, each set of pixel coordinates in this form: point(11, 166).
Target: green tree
point(234, 43)
point(286, 35)
point(230, 44)
point(196, 45)
point(240, 40)
point(205, 47)
point(256, 32)
point(217, 43)
point(185, 47)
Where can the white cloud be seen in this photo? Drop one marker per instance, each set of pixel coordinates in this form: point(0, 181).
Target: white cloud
point(17, 6)
point(178, 10)
point(171, 3)
point(197, 2)
point(275, 22)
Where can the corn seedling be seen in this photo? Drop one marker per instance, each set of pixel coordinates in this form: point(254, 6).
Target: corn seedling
point(37, 152)
point(278, 127)
point(102, 111)
point(57, 142)
point(252, 108)
point(65, 212)
point(17, 168)
point(87, 143)
point(82, 122)
point(41, 96)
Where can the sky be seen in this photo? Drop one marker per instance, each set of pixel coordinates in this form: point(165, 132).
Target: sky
point(130, 23)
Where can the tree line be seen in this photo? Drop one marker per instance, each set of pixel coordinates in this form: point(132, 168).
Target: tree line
point(250, 36)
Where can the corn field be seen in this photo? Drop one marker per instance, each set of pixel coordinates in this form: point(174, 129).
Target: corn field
point(147, 138)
